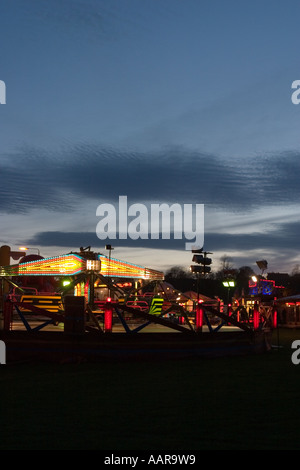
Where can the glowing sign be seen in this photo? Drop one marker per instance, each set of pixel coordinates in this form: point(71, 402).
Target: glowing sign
point(9, 270)
point(115, 268)
point(72, 264)
point(64, 265)
point(93, 265)
point(263, 286)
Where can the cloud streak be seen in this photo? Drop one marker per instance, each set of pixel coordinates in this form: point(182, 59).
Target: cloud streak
point(284, 239)
point(37, 178)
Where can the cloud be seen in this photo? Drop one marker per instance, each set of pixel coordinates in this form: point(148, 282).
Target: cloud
point(92, 20)
point(67, 239)
point(37, 178)
point(284, 239)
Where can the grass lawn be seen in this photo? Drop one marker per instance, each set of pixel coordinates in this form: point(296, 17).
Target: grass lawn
point(247, 402)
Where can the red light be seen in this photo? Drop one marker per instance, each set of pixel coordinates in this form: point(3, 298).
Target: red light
point(199, 318)
point(256, 317)
point(200, 301)
point(274, 318)
point(108, 299)
point(108, 317)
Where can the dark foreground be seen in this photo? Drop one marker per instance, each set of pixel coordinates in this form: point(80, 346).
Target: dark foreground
point(56, 346)
point(188, 404)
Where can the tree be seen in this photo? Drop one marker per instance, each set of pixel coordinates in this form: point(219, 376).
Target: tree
point(242, 278)
point(296, 270)
point(177, 272)
point(226, 270)
point(226, 263)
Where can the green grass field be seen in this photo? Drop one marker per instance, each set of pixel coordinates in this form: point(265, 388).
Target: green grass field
point(240, 403)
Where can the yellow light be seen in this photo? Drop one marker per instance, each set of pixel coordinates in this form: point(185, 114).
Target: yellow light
point(22, 248)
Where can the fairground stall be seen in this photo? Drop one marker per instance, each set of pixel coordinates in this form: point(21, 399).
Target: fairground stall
point(89, 297)
point(45, 285)
point(289, 310)
point(259, 307)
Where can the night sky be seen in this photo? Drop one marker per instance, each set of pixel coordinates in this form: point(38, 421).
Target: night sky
point(164, 101)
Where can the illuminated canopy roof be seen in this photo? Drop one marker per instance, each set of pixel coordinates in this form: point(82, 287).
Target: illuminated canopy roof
point(73, 263)
point(116, 268)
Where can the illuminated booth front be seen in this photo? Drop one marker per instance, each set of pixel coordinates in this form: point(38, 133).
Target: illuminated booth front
point(80, 274)
point(83, 270)
point(74, 263)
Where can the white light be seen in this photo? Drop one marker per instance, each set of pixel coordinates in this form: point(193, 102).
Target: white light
point(25, 248)
point(93, 265)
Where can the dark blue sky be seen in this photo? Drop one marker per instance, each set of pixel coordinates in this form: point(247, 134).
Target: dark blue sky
point(164, 101)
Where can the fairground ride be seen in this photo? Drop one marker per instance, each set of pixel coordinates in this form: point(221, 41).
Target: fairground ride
point(93, 289)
